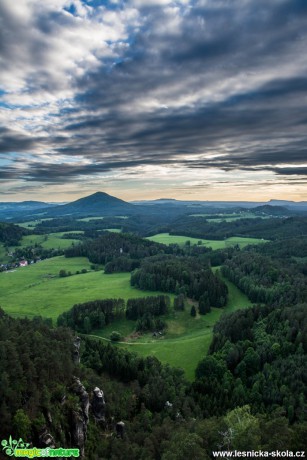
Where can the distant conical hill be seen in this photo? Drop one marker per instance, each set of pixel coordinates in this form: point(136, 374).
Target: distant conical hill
point(99, 203)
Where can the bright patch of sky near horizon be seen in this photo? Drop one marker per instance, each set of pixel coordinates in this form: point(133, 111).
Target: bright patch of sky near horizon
point(142, 99)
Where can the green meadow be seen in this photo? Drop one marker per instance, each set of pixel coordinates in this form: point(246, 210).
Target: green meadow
point(38, 290)
point(228, 217)
point(50, 241)
point(3, 254)
point(32, 223)
point(88, 219)
point(166, 238)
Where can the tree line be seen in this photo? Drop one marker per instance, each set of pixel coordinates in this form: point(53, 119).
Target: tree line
point(96, 314)
point(93, 315)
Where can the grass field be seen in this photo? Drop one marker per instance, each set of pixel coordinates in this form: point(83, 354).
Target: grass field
point(3, 254)
point(38, 289)
point(113, 230)
point(228, 217)
point(88, 219)
point(166, 238)
point(33, 223)
point(50, 241)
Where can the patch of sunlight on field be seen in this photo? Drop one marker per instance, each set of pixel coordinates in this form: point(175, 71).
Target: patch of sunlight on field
point(166, 238)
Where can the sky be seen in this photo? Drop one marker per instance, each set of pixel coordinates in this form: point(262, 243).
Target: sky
point(148, 99)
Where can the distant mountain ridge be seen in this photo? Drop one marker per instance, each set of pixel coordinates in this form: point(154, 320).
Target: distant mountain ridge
point(10, 210)
point(103, 204)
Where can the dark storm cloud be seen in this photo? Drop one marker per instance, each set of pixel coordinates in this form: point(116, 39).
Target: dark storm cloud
point(14, 141)
point(214, 78)
point(294, 171)
point(214, 43)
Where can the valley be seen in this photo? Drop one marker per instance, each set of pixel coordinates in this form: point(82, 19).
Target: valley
point(223, 278)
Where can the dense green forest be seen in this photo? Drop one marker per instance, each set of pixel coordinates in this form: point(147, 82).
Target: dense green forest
point(266, 280)
point(121, 249)
point(185, 275)
point(259, 356)
point(11, 234)
point(271, 228)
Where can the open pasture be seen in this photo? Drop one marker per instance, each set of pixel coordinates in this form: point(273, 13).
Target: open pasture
point(166, 238)
point(49, 241)
point(38, 290)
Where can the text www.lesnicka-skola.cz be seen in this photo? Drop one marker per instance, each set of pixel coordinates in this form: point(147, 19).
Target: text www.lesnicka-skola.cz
point(259, 454)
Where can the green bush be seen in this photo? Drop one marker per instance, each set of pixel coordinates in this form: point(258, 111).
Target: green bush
point(115, 336)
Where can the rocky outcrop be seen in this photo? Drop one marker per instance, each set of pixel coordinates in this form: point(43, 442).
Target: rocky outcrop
point(98, 405)
point(45, 439)
point(120, 429)
point(76, 350)
point(79, 416)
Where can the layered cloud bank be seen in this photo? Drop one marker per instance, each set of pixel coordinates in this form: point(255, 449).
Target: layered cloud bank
point(176, 98)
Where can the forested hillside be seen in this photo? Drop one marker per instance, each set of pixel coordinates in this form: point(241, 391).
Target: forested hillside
point(259, 356)
point(46, 395)
point(266, 280)
point(271, 228)
point(11, 234)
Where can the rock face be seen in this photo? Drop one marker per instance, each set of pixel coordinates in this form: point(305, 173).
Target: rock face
point(45, 439)
point(120, 429)
point(79, 418)
point(76, 350)
point(98, 405)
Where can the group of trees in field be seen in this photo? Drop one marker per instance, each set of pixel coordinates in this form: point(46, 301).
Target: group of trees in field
point(154, 305)
point(146, 311)
point(185, 275)
point(86, 317)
